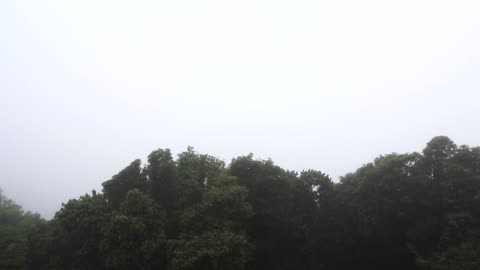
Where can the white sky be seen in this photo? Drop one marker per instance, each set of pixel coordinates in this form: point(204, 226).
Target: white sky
point(88, 86)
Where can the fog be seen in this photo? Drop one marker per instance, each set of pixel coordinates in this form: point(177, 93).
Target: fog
point(88, 86)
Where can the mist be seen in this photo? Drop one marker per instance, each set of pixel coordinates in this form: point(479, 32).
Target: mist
point(87, 87)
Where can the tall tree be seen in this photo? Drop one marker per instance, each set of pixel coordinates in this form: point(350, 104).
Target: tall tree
point(77, 231)
point(195, 172)
point(212, 234)
point(162, 179)
point(132, 177)
point(134, 236)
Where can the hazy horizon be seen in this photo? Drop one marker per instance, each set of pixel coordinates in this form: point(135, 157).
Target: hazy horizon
point(87, 87)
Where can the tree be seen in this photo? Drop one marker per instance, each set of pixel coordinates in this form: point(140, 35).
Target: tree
point(134, 236)
point(132, 177)
point(461, 257)
point(275, 230)
point(436, 155)
point(12, 240)
point(212, 250)
point(195, 172)
point(212, 234)
point(162, 179)
point(400, 211)
point(16, 227)
point(77, 231)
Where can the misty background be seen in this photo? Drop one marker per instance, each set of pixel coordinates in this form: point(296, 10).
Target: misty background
point(87, 87)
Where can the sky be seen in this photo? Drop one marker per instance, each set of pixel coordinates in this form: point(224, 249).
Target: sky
point(88, 86)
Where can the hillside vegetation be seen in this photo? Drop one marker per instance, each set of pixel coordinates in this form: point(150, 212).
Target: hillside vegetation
point(401, 211)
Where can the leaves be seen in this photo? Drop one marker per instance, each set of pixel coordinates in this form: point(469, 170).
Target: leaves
point(401, 211)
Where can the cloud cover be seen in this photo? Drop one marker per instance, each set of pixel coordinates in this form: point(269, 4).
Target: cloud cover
point(88, 86)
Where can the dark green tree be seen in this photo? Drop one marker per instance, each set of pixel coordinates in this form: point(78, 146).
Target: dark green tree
point(134, 237)
point(212, 231)
point(401, 211)
point(77, 232)
point(132, 177)
point(162, 179)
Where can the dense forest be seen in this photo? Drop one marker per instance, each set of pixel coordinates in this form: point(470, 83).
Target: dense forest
point(401, 211)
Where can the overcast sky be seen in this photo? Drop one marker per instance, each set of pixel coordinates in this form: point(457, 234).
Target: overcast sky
point(88, 86)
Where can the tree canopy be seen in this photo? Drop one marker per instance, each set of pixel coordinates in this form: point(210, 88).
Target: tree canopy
point(401, 211)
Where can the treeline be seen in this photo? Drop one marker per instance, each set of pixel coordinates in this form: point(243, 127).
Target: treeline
point(402, 211)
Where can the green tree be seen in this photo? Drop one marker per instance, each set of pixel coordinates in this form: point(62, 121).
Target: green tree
point(212, 234)
point(276, 229)
point(132, 177)
point(134, 236)
point(196, 171)
point(436, 155)
point(12, 240)
point(77, 231)
point(16, 228)
point(401, 211)
point(212, 250)
point(162, 179)
point(462, 257)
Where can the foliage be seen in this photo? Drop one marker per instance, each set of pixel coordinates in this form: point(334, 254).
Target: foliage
point(16, 227)
point(134, 236)
point(194, 212)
